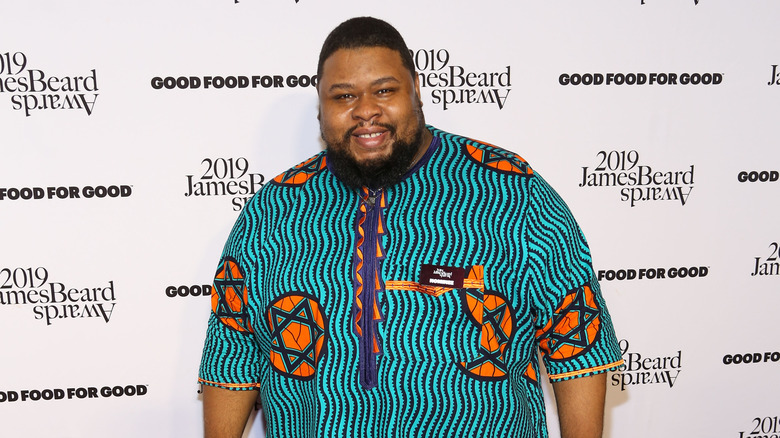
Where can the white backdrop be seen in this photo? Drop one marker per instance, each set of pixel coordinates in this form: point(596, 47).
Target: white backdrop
point(107, 154)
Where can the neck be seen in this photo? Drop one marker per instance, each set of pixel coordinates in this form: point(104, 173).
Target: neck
point(427, 138)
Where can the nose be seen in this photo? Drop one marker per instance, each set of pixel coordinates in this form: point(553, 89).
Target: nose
point(366, 108)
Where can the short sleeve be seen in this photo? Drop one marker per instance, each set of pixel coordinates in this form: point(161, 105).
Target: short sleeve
point(574, 330)
point(230, 356)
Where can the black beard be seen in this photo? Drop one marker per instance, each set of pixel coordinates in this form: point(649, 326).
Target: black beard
point(376, 173)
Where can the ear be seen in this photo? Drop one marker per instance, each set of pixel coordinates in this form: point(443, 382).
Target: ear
point(417, 89)
point(319, 100)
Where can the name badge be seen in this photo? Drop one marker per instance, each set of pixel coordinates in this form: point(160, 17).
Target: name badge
point(442, 276)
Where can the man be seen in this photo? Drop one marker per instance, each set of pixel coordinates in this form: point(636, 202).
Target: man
point(401, 282)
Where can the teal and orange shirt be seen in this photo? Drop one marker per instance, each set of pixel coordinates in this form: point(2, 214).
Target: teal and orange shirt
point(417, 310)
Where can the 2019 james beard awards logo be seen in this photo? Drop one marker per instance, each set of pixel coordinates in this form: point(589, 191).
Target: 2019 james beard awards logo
point(768, 265)
point(453, 84)
point(53, 301)
point(228, 177)
point(639, 369)
point(775, 80)
point(34, 90)
point(762, 427)
point(638, 183)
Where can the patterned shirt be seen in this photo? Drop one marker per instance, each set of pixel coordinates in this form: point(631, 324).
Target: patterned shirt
point(417, 310)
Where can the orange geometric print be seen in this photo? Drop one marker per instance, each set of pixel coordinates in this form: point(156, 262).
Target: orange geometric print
point(573, 328)
point(485, 369)
point(530, 372)
point(297, 327)
point(302, 172)
point(499, 159)
point(230, 297)
point(476, 272)
point(492, 314)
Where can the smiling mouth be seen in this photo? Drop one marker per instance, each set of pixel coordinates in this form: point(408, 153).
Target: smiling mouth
point(372, 135)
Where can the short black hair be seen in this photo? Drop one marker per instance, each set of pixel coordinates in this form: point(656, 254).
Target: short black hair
point(361, 32)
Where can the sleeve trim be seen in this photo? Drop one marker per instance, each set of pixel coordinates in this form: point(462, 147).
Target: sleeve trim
point(233, 386)
point(587, 371)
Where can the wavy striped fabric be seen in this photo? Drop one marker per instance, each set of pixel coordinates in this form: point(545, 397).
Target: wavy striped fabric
point(460, 361)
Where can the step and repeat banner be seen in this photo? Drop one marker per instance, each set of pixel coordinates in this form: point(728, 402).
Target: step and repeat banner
point(132, 134)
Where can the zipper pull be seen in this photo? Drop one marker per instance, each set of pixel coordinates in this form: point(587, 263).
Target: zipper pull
point(371, 198)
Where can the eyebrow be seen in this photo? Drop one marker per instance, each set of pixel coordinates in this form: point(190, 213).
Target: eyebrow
point(376, 82)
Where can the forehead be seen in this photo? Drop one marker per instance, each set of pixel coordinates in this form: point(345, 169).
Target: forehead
point(363, 64)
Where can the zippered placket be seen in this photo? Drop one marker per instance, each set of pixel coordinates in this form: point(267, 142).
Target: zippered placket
point(373, 201)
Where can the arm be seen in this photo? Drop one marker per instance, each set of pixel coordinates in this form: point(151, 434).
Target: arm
point(580, 404)
point(226, 412)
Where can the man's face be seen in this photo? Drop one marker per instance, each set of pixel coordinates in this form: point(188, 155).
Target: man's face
point(370, 115)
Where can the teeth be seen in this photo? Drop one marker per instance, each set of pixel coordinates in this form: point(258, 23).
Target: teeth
point(376, 134)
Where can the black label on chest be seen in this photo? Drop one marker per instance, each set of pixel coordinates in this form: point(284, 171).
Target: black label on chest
point(442, 276)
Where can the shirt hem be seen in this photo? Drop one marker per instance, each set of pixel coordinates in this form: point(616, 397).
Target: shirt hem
point(231, 386)
point(586, 372)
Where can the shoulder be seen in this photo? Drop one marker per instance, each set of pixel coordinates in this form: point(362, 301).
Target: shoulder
point(483, 154)
point(301, 173)
point(278, 192)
